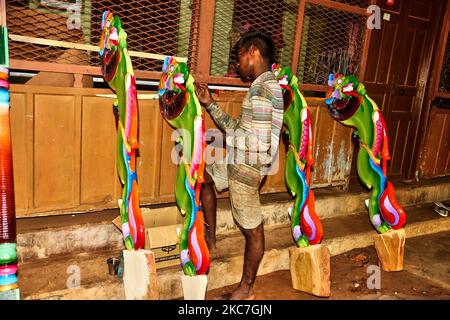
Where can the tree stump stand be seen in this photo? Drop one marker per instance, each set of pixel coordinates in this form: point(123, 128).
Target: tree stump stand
point(194, 287)
point(310, 269)
point(139, 277)
point(390, 248)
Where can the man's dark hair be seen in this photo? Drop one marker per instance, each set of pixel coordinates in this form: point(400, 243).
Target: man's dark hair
point(262, 41)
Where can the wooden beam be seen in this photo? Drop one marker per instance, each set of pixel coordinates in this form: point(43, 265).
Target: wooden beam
point(443, 95)
point(298, 37)
point(312, 87)
point(2, 12)
point(365, 50)
point(228, 81)
point(436, 74)
point(72, 68)
point(340, 6)
point(205, 41)
point(84, 47)
point(194, 35)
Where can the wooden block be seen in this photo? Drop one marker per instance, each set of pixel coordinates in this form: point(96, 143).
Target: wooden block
point(390, 248)
point(139, 277)
point(310, 269)
point(194, 288)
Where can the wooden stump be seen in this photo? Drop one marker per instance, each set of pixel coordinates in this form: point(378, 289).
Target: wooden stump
point(194, 288)
point(390, 248)
point(139, 277)
point(310, 269)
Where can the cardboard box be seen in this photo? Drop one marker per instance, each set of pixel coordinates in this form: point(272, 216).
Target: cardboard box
point(162, 234)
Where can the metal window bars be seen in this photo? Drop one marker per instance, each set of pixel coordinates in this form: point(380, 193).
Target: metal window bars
point(313, 36)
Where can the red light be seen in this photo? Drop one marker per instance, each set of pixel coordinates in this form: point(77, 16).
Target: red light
point(390, 2)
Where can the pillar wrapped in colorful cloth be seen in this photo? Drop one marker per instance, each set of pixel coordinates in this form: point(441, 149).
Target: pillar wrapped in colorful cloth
point(8, 254)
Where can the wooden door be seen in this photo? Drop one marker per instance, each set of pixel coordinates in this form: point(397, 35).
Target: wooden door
point(398, 67)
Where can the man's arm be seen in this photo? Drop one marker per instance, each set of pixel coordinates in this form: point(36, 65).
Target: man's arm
point(222, 119)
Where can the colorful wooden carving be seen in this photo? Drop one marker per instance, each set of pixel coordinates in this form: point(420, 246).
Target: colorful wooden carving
point(118, 73)
point(180, 107)
point(350, 105)
point(306, 226)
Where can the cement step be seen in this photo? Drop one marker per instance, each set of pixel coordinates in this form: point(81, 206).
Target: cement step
point(40, 238)
point(342, 234)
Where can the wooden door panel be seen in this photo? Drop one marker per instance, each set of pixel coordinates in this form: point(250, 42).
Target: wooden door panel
point(54, 151)
point(400, 151)
point(98, 147)
point(19, 148)
point(168, 168)
point(382, 52)
point(436, 159)
point(443, 158)
point(408, 67)
point(148, 164)
point(421, 9)
point(402, 103)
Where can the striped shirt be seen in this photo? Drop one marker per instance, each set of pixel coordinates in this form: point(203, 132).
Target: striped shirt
point(255, 134)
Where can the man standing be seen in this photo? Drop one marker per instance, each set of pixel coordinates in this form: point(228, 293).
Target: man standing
point(255, 141)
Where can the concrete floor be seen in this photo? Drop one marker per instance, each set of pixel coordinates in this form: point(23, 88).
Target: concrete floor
point(426, 275)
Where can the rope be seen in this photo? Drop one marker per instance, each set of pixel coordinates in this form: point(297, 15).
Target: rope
point(124, 138)
point(297, 157)
point(370, 152)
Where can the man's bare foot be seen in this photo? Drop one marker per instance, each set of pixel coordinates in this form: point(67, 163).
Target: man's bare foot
point(242, 293)
point(211, 243)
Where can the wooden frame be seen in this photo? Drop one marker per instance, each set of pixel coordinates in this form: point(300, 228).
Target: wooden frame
point(202, 49)
point(440, 60)
point(432, 92)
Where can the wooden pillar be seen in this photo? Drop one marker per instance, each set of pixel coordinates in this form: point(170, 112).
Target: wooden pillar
point(390, 247)
point(298, 37)
point(3, 12)
point(365, 49)
point(139, 278)
point(310, 269)
point(205, 40)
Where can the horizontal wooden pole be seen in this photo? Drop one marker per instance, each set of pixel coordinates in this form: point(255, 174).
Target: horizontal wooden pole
point(84, 47)
point(443, 95)
point(143, 96)
point(340, 6)
point(72, 68)
point(148, 75)
point(312, 87)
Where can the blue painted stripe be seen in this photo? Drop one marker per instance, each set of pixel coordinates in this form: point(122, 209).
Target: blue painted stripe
point(8, 280)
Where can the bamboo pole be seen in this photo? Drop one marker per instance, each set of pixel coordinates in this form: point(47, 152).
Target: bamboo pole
point(85, 47)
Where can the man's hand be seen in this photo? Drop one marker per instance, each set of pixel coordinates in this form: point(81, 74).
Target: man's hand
point(203, 94)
